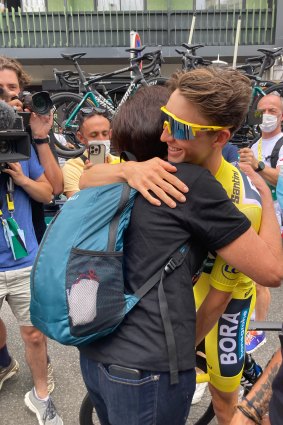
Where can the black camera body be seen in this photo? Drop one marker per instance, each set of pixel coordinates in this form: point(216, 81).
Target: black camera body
point(40, 103)
point(15, 142)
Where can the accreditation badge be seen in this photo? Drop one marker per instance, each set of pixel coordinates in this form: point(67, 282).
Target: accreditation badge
point(16, 239)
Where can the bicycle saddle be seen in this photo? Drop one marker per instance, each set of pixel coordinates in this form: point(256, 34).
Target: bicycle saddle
point(256, 59)
point(135, 49)
point(72, 56)
point(271, 52)
point(192, 47)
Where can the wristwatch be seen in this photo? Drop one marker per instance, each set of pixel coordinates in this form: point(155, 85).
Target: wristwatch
point(260, 166)
point(41, 141)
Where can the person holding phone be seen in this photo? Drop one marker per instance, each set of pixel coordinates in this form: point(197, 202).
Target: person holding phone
point(94, 133)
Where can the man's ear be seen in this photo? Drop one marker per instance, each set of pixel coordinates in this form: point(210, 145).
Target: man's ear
point(223, 136)
point(110, 132)
point(80, 137)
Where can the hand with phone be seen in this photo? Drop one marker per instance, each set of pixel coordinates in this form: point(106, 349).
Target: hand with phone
point(96, 153)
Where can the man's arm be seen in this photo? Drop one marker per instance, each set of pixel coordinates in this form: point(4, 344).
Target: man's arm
point(71, 174)
point(269, 174)
point(259, 256)
point(40, 189)
point(260, 394)
point(209, 312)
point(40, 127)
point(154, 175)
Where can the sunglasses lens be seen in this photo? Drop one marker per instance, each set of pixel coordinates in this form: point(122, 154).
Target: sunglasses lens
point(181, 131)
point(86, 111)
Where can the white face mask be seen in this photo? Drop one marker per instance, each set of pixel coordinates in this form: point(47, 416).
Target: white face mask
point(269, 123)
point(106, 143)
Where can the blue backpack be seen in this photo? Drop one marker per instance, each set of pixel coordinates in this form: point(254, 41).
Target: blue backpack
point(77, 283)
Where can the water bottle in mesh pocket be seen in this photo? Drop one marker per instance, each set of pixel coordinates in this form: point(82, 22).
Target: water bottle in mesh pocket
point(82, 299)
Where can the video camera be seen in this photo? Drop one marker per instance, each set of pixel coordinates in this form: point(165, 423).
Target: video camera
point(14, 140)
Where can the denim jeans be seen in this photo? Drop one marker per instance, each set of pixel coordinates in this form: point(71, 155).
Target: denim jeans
point(148, 401)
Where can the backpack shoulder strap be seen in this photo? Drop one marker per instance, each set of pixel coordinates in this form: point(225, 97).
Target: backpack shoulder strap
point(176, 260)
point(275, 152)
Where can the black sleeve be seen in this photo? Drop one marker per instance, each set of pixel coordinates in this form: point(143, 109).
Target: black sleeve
point(211, 215)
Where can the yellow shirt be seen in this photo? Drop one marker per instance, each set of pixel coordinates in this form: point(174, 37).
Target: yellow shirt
point(72, 171)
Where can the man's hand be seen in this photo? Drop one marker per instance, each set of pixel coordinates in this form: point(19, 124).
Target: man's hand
point(246, 155)
point(155, 175)
point(16, 104)
point(16, 172)
point(255, 177)
point(41, 125)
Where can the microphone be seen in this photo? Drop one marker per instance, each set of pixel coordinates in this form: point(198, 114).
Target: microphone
point(7, 116)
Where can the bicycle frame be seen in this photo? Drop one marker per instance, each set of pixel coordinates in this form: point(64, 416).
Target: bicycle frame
point(94, 99)
point(99, 101)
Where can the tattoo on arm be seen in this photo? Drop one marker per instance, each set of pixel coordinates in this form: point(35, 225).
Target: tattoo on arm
point(262, 394)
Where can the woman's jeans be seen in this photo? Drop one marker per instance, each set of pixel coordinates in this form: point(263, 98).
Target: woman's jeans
point(150, 400)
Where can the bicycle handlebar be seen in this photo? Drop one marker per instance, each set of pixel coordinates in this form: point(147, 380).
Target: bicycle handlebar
point(265, 326)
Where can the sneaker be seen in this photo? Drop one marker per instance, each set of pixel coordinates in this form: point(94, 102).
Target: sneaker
point(199, 392)
point(254, 340)
point(45, 410)
point(9, 371)
point(50, 378)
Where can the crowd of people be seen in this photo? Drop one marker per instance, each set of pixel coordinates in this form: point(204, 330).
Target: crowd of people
point(193, 186)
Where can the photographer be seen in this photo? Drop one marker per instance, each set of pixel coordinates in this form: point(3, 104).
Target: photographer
point(13, 80)
point(24, 182)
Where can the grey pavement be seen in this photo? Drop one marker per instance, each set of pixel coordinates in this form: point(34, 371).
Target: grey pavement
point(69, 390)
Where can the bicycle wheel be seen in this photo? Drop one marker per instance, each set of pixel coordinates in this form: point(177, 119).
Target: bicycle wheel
point(87, 415)
point(63, 105)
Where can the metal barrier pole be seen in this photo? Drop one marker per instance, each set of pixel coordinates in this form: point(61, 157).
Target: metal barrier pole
point(237, 42)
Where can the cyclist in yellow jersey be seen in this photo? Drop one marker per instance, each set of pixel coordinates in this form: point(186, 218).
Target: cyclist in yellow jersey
point(225, 343)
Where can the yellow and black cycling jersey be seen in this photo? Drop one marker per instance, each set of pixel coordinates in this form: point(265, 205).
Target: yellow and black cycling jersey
point(225, 344)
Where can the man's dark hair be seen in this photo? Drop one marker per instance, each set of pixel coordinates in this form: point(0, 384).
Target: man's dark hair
point(138, 125)
point(86, 113)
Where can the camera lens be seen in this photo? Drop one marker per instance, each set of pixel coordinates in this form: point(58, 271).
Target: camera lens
point(41, 103)
point(96, 150)
point(4, 146)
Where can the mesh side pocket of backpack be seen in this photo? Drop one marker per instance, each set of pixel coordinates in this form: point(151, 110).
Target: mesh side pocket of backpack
point(94, 291)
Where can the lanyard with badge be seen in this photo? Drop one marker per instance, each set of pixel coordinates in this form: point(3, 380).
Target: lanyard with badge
point(14, 236)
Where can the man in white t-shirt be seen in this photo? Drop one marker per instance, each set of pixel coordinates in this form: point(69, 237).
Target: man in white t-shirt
point(259, 156)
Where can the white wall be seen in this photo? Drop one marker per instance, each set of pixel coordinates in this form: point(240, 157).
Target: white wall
point(120, 5)
point(33, 5)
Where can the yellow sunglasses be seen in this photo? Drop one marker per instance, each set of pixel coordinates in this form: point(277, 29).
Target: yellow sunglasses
point(183, 130)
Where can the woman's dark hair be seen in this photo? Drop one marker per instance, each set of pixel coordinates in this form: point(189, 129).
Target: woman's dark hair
point(138, 125)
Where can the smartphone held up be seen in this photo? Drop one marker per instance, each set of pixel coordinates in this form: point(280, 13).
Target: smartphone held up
point(96, 152)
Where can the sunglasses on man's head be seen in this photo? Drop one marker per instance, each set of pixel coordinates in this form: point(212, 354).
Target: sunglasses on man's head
point(183, 130)
point(89, 110)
